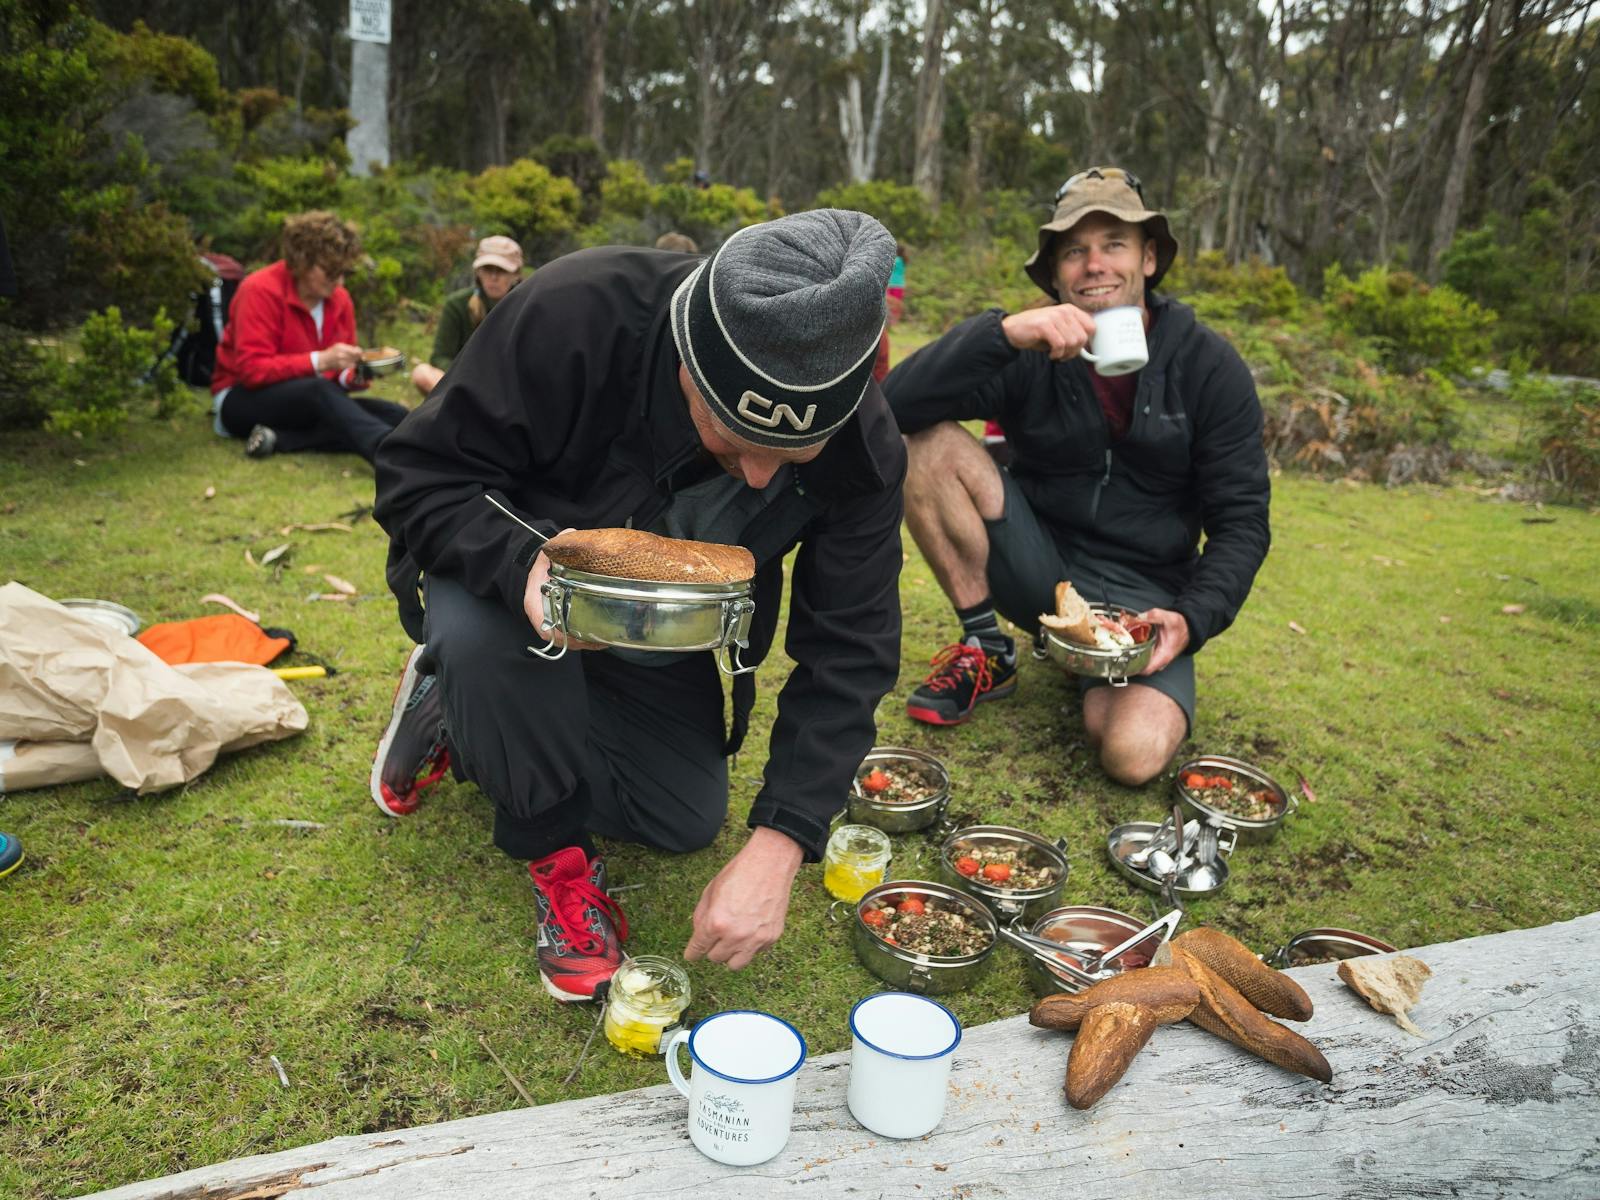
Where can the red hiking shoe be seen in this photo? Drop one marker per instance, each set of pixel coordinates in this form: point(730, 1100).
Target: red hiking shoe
point(963, 676)
point(581, 928)
point(412, 754)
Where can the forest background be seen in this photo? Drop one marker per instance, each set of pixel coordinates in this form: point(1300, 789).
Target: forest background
point(1412, 185)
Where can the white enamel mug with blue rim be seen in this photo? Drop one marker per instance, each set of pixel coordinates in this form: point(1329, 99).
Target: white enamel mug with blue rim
point(741, 1095)
point(1118, 346)
point(900, 1051)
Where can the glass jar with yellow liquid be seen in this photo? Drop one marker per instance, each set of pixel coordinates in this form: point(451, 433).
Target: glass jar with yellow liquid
point(647, 997)
point(857, 858)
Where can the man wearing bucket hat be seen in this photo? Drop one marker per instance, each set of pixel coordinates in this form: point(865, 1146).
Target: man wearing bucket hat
point(726, 400)
point(496, 269)
point(1113, 479)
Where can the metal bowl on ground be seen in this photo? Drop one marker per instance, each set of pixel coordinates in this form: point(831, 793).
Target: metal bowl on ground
point(893, 817)
point(1317, 945)
point(105, 612)
point(1091, 931)
point(925, 974)
point(641, 614)
point(1125, 841)
point(1195, 804)
point(1115, 665)
point(1007, 904)
point(385, 360)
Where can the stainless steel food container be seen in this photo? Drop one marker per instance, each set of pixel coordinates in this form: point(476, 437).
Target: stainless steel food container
point(1195, 805)
point(387, 365)
point(900, 818)
point(1327, 943)
point(1126, 840)
point(647, 615)
point(1115, 665)
point(1081, 927)
point(1008, 904)
point(925, 974)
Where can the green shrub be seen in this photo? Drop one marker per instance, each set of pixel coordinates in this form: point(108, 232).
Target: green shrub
point(173, 65)
point(143, 254)
point(94, 392)
point(901, 208)
point(706, 214)
point(1218, 291)
point(626, 190)
point(1564, 423)
point(1413, 324)
point(25, 381)
point(947, 283)
point(523, 199)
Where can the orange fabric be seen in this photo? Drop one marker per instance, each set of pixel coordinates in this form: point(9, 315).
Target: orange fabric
point(226, 637)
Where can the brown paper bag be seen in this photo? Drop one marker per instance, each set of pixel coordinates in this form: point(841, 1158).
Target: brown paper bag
point(64, 678)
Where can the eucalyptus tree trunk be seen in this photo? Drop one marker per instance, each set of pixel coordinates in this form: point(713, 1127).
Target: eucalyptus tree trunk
point(594, 82)
point(852, 127)
point(1455, 182)
point(926, 174)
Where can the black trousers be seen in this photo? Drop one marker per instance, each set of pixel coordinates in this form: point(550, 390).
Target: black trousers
point(312, 413)
point(588, 743)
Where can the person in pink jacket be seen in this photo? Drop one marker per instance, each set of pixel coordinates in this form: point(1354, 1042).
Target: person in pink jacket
point(288, 361)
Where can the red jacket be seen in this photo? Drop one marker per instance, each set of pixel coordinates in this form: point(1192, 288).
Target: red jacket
point(270, 333)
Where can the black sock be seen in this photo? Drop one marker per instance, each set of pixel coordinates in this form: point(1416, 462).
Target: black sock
point(980, 622)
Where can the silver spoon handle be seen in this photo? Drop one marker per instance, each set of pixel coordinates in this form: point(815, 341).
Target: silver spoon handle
point(543, 537)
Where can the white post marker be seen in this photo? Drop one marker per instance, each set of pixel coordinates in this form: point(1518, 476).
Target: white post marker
point(370, 32)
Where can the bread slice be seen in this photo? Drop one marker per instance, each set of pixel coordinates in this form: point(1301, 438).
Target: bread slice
point(1072, 619)
point(1391, 985)
point(636, 554)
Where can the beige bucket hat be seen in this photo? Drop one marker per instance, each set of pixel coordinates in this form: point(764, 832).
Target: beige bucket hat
point(1108, 190)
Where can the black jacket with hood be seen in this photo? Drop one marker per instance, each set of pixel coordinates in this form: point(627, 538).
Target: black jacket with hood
point(566, 406)
point(1192, 461)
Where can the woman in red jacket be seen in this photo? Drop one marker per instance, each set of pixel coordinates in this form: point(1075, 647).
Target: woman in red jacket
point(288, 359)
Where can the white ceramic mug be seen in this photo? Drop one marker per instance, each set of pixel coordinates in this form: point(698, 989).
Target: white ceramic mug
point(900, 1051)
point(741, 1095)
point(1118, 346)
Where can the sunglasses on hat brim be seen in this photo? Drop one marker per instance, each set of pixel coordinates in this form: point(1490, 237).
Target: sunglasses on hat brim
point(1112, 173)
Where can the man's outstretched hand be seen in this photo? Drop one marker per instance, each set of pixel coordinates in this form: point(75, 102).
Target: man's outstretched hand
point(742, 910)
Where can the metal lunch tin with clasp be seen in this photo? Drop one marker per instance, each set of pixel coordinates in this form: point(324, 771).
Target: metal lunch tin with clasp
point(648, 615)
point(1194, 801)
point(925, 974)
point(900, 818)
point(1007, 904)
point(1113, 665)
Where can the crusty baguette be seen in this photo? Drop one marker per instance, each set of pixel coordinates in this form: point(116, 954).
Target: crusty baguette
point(636, 554)
point(1270, 991)
point(1108, 1041)
point(1167, 992)
point(1072, 619)
point(1225, 1012)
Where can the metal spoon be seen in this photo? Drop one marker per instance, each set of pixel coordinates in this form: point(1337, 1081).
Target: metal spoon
point(1205, 873)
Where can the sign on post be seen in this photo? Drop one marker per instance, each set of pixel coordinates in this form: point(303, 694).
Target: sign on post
point(370, 21)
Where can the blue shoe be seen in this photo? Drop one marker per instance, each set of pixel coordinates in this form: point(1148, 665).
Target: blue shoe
point(10, 854)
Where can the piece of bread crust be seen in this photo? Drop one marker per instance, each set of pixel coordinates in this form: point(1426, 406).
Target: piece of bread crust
point(1072, 618)
point(636, 554)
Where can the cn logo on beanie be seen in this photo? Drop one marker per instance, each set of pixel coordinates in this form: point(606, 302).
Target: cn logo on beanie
point(780, 413)
point(779, 328)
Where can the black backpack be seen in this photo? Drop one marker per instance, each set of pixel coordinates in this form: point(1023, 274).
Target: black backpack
point(194, 342)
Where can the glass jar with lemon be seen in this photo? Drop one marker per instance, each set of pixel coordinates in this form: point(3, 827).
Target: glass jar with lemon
point(857, 858)
point(647, 998)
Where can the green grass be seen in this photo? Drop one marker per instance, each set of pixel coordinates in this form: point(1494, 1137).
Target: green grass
point(158, 950)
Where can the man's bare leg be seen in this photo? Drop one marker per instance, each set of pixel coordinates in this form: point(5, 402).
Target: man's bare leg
point(425, 377)
point(1136, 730)
point(952, 487)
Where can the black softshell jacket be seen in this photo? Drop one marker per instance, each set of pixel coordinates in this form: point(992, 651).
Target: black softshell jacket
point(565, 405)
point(1192, 460)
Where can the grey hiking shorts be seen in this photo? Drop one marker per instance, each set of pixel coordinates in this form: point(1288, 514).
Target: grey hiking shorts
point(1025, 565)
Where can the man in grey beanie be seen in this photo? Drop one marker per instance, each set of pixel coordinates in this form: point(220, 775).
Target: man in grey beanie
point(724, 399)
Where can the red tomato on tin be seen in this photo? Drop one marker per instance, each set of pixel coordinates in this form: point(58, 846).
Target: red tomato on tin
point(911, 906)
point(875, 781)
point(997, 872)
point(967, 866)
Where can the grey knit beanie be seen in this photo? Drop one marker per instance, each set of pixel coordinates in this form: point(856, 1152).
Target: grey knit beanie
point(779, 328)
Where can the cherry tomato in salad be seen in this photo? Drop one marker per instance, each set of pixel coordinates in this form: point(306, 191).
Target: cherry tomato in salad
point(875, 781)
point(911, 905)
point(997, 872)
point(874, 916)
point(966, 866)
point(1194, 781)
